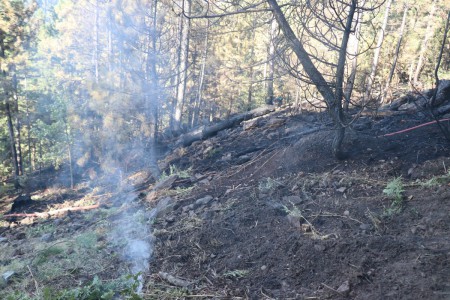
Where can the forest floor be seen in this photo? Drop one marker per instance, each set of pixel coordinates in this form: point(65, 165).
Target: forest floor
point(257, 212)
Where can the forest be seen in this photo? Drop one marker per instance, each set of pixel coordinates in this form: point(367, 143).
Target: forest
point(179, 149)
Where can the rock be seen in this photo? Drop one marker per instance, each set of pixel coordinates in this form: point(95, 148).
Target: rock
point(276, 122)
point(346, 213)
point(320, 247)
point(341, 189)
point(203, 201)
point(443, 93)
point(3, 239)
point(6, 277)
point(263, 268)
point(253, 123)
point(57, 222)
point(204, 181)
point(344, 288)
point(27, 221)
point(46, 237)
point(164, 205)
point(188, 208)
point(165, 183)
point(292, 199)
point(365, 227)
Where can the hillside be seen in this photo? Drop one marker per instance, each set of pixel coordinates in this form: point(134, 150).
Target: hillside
point(260, 211)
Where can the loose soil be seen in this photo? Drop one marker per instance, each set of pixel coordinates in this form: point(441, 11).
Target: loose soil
point(284, 219)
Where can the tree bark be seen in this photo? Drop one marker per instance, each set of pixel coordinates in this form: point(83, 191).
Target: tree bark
point(198, 101)
point(271, 62)
point(206, 132)
point(376, 55)
point(354, 41)
point(332, 99)
point(397, 51)
point(18, 124)
point(423, 48)
point(183, 64)
point(13, 144)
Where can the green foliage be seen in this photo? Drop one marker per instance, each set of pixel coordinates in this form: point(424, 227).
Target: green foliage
point(436, 181)
point(97, 290)
point(394, 190)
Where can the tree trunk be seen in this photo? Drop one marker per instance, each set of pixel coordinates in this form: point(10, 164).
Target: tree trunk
point(376, 55)
point(206, 132)
point(152, 97)
point(271, 62)
point(18, 124)
point(96, 34)
point(183, 64)
point(423, 48)
point(354, 42)
point(333, 100)
point(397, 51)
point(13, 144)
point(198, 101)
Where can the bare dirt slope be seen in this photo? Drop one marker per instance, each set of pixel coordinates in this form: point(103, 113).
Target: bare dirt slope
point(286, 220)
point(258, 213)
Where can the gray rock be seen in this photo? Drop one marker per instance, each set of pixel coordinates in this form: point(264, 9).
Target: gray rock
point(203, 201)
point(292, 199)
point(6, 277)
point(344, 288)
point(365, 226)
point(3, 239)
point(46, 237)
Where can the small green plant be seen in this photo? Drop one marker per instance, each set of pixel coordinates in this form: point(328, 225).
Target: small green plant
point(173, 170)
point(97, 289)
point(436, 181)
point(236, 274)
point(268, 185)
point(87, 240)
point(47, 253)
point(295, 211)
point(394, 190)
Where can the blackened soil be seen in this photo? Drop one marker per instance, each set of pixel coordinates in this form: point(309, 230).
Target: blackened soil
point(288, 221)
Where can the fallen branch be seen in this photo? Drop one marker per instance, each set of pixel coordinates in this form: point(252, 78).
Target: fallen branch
point(53, 212)
point(173, 280)
point(206, 132)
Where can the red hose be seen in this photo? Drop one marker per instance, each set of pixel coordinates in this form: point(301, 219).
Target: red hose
point(415, 127)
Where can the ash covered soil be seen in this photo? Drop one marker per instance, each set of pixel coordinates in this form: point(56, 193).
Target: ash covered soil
point(263, 211)
point(274, 216)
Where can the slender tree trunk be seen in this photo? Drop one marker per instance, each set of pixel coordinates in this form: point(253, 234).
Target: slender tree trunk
point(423, 48)
point(397, 51)
point(354, 42)
point(202, 78)
point(333, 100)
point(28, 130)
point(183, 65)
point(18, 124)
point(69, 154)
point(271, 62)
point(376, 55)
point(13, 144)
point(152, 94)
point(96, 29)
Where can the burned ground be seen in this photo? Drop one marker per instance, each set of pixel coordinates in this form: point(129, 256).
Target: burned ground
point(265, 212)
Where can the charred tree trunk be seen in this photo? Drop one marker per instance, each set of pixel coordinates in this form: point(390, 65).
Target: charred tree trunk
point(18, 124)
point(354, 42)
point(332, 99)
